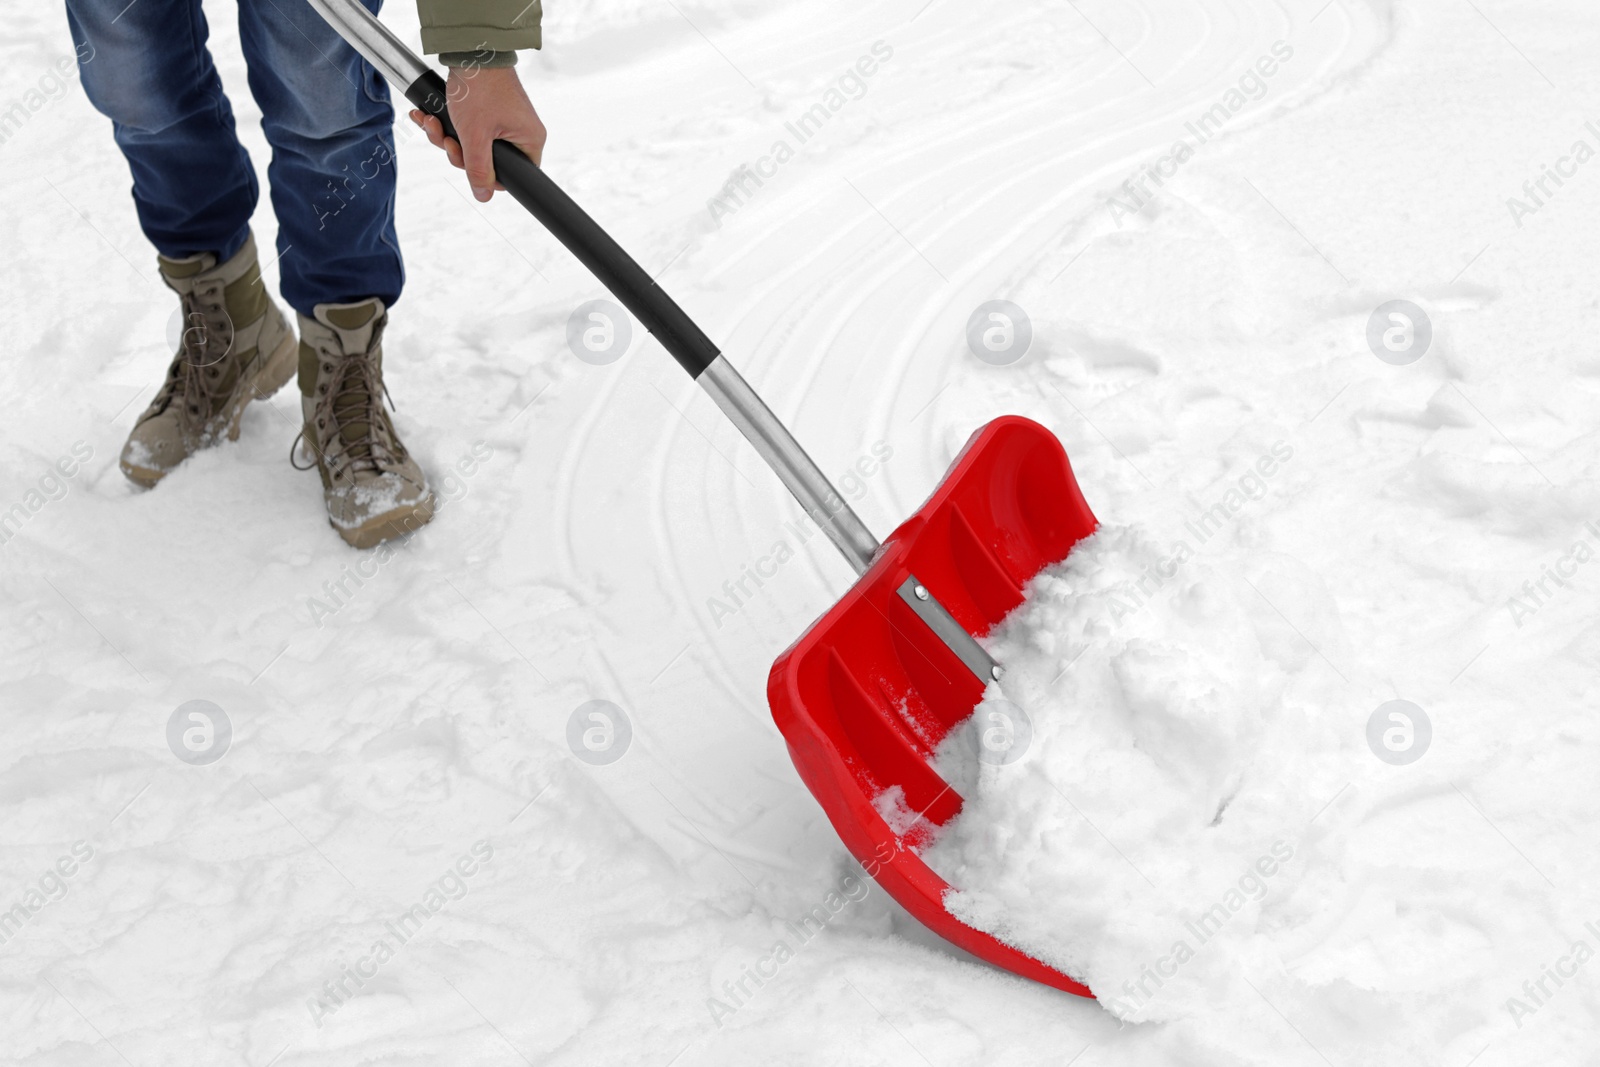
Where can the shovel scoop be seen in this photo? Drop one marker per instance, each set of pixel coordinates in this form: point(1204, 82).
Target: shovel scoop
point(869, 692)
point(871, 689)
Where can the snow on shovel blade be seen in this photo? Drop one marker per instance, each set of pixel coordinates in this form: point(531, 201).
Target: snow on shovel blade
point(867, 693)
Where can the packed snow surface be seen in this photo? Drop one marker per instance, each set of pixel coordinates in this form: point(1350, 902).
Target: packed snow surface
point(509, 793)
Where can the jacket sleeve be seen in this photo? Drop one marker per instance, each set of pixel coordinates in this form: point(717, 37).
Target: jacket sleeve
point(479, 25)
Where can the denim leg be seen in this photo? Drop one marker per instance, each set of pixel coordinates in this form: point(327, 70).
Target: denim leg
point(326, 113)
point(145, 67)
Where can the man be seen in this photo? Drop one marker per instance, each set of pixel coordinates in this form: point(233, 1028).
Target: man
point(326, 114)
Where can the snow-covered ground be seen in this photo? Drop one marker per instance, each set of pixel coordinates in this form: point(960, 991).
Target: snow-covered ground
point(409, 739)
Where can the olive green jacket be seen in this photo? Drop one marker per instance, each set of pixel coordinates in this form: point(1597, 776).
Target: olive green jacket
point(479, 25)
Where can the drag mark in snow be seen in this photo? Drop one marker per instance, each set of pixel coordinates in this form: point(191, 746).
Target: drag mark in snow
point(684, 415)
point(1073, 4)
point(749, 178)
point(852, 484)
point(897, 230)
point(1205, 127)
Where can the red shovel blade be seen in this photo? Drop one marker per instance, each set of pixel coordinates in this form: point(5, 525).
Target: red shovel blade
point(868, 692)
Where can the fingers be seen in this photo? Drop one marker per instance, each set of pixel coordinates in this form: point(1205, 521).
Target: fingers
point(530, 139)
point(476, 154)
point(437, 137)
point(480, 165)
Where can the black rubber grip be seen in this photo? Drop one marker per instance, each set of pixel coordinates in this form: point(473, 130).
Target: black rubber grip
point(584, 238)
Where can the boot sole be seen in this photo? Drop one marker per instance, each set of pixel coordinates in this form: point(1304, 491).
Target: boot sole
point(273, 374)
point(143, 477)
point(400, 522)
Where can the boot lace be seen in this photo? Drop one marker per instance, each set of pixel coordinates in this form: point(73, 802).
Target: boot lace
point(353, 397)
point(197, 378)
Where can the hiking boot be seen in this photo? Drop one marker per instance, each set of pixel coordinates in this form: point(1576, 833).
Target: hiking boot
point(236, 347)
point(373, 488)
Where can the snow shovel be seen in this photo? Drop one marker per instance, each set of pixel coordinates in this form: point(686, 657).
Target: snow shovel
point(866, 695)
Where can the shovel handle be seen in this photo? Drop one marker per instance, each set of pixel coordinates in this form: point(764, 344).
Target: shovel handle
point(626, 280)
point(584, 238)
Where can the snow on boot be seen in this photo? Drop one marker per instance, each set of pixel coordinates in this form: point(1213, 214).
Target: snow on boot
point(236, 347)
point(374, 489)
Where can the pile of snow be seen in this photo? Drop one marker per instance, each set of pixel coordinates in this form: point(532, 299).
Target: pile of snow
point(1148, 834)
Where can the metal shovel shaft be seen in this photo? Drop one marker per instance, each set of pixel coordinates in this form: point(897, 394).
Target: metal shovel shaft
point(640, 294)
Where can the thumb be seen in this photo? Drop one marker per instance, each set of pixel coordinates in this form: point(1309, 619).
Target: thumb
point(479, 161)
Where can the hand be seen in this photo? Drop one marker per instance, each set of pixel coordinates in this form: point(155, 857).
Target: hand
point(486, 104)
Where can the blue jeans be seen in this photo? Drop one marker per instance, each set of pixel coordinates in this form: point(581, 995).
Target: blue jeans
point(325, 112)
